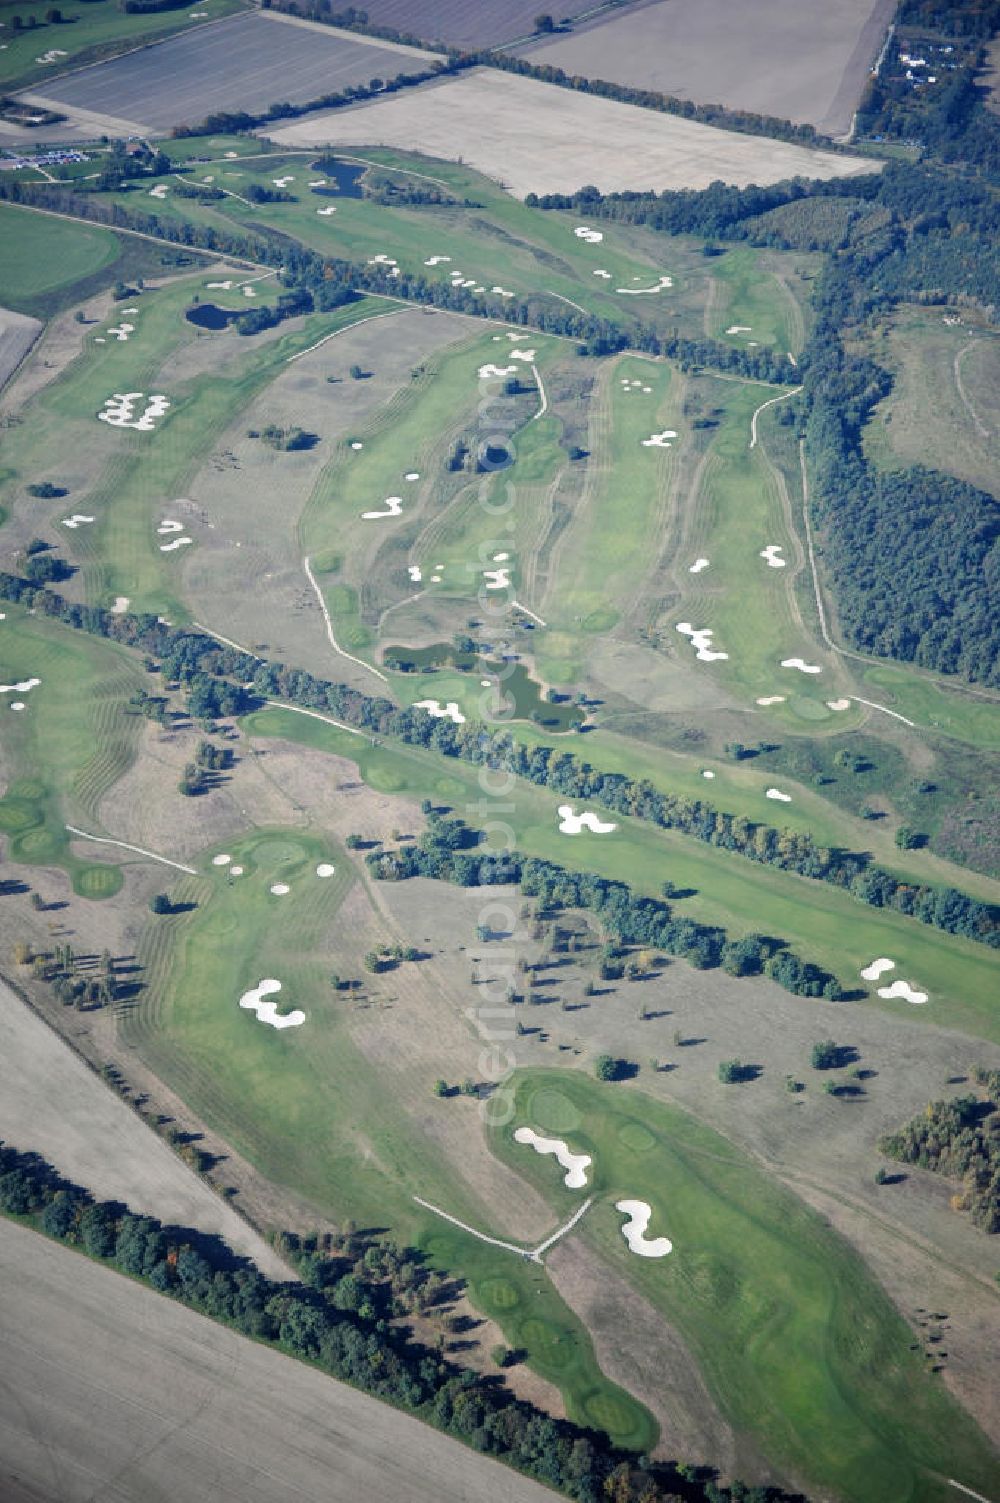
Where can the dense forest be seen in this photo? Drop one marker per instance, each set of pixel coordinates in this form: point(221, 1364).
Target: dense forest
point(340, 1318)
point(961, 1139)
point(221, 680)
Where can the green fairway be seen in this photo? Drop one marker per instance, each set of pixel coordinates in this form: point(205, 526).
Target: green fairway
point(753, 303)
point(39, 253)
point(821, 922)
point(68, 746)
point(310, 1110)
point(799, 1346)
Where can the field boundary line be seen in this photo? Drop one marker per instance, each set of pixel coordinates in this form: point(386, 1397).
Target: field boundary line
point(769, 403)
point(281, 704)
point(541, 392)
point(139, 850)
point(329, 626)
point(389, 312)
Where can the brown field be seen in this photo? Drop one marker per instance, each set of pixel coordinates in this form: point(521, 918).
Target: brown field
point(536, 137)
point(51, 1102)
point(18, 333)
point(459, 24)
point(805, 63)
point(113, 1391)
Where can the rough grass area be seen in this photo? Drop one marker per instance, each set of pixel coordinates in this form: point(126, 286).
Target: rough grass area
point(796, 1340)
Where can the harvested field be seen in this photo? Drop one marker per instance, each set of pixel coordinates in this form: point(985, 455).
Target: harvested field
point(537, 137)
point(460, 24)
point(216, 1418)
point(17, 334)
point(804, 63)
point(244, 63)
point(51, 1102)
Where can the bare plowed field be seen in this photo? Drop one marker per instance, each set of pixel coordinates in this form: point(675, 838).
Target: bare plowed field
point(111, 1391)
point(463, 23)
point(246, 63)
point(536, 137)
point(806, 63)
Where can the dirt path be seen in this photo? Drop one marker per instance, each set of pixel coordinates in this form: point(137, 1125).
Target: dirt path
point(329, 627)
point(956, 366)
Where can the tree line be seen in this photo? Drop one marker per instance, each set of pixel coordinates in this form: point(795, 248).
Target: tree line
point(216, 677)
point(961, 1139)
point(340, 1319)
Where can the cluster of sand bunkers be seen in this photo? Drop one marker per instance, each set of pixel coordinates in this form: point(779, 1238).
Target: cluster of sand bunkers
point(631, 385)
point(24, 687)
point(120, 331)
point(78, 519)
point(120, 408)
point(902, 989)
point(167, 527)
point(639, 1213)
point(571, 823)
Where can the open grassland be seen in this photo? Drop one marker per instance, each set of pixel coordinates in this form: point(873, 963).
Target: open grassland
point(245, 63)
point(130, 481)
point(39, 254)
point(212, 1412)
point(536, 137)
point(943, 410)
point(308, 1107)
point(820, 922)
point(85, 34)
point(774, 58)
point(69, 744)
point(796, 1341)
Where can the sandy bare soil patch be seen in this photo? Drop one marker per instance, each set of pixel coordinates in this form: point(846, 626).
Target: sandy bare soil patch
point(536, 137)
point(805, 63)
point(86, 1413)
point(51, 1102)
point(18, 333)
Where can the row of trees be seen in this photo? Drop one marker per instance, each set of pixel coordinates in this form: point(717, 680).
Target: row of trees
point(339, 1318)
point(216, 677)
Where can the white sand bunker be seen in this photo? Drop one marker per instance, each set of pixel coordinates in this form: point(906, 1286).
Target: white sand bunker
point(771, 553)
point(160, 191)
point(528, 355)
point(382, 260)
point(177, 543)
point(497, 579)
point(282, 182)
point(486, 371)
point(700, 640)
point(662, 440)
point(221, 860)
point(698, 565)
point(267, 1012)
point(50, 56)
point(325, 869)
point(394, 505)
point(412, 475)
point(119, 410)
point(21, 688)
point(801, 665)
point(575, 1164)
point(605, 275)
point(776, 793)
point(99, 339)
point(18, 704)
point(639, 291)
point(502, 291)
point(838, 704)
point(225, 286)
point(168, 526)
point(772, 699)
point(738, 329)
point(357, 444)
point(436, 260)
point(640, 1213)
point(439, 711)
point(873, 971)
point(280, 889)
point(904, 990)
point(573, 824)
point(325, 213)
point(249, 291)
point(500, 558)
point(592, 237)
point(120, 606)
point(78, 519)
point(707, 772)
point(415, 573)
point(122, 331)
point(236, 871)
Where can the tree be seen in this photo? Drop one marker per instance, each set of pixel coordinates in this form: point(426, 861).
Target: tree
point(730, 1071)
point(160, 903)
point(826, 1055)
point(544, 24)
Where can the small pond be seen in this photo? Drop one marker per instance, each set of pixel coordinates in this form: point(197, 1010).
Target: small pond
point(211, 316)
point(345, 177)
point(526, 692)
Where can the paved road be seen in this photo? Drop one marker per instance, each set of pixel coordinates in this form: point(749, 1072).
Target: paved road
point(109, 1391)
